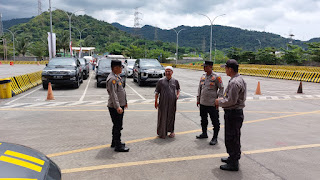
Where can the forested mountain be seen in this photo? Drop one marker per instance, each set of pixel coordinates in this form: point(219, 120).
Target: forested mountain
point(224, 37)
point(9, 23)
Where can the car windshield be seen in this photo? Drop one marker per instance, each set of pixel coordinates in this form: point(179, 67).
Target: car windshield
point(131, 63)
point(62, 62)
point(105, 63)
point(150, 63)
point(82, 61)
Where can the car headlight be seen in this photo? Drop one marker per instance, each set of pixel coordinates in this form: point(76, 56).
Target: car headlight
point(45, 72)
point(72, 73)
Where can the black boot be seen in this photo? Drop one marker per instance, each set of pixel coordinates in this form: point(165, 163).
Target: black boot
point(232, 166)
point(225, 160)
point(113, 144)
point(202, 136)
point(121, 147)
point(213, 141)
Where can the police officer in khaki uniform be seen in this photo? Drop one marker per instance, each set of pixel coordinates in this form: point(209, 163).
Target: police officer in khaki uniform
point(233, 102)
point(116, 104)
point(210, 88)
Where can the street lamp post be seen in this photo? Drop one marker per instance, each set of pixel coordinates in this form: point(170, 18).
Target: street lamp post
point(177, 32)
point(69, 16)
point(80, 36)
point(211, 22)
point(51, 39)
point(14, 49)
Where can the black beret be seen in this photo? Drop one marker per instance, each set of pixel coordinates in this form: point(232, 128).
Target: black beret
point(208, 63)
point(115, 63)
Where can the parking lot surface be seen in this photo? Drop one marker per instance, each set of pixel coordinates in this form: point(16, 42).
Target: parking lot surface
point(280, 134)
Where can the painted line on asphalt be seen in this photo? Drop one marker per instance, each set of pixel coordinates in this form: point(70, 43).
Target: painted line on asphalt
point(24, 96)
point(188, 94)
point(177, 133)
point(185, 158)
point(85, 91)
point(136, 92)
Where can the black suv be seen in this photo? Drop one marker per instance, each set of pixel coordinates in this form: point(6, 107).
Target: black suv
point(85, 67)
point(147, 71)
point(104, 69)
point(62, 70)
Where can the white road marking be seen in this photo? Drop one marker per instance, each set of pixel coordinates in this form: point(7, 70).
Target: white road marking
point(187, 94)
point(23, 96)
point(85, 91)
point(136, 92)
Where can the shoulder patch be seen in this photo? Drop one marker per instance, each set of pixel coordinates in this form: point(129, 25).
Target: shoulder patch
point(219, 79)
point(113, 81)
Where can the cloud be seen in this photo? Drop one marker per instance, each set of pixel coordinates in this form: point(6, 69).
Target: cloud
point(277, 16)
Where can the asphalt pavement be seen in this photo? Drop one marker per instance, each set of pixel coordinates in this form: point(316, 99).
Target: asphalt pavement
point(280, 134)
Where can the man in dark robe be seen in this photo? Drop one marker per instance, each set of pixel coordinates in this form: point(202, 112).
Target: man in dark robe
point(168, 90)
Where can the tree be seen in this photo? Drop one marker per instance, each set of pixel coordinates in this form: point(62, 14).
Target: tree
point(115, 48)
point(39, 49)
point(63, 41)
point(22, 45)
point(89, 41)
point(314, 51)
point(234, 53)
point(294, 55)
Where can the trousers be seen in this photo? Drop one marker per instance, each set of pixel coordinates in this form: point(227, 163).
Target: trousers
point(214, 116)
point(117, 120)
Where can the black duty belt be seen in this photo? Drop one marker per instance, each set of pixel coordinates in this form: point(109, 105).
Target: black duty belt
point(233, 110)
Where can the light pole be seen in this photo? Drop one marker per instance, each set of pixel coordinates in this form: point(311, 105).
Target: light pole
point(14, 49)
point(177, 43)
point(80, 37)
point(51, 39)
point(69, 16)
point(211, 22)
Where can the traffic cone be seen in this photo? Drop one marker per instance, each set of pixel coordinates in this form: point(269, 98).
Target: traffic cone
point(300, 88)
point(50, 94)
point(0, 62)
point(258, 91)
point(11, 63)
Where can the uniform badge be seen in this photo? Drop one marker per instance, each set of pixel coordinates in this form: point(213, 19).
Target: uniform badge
point(203, 78)
point(211, 84)
point(120, 83)
point(113, 81)
point(220, 81)
point(213, 78)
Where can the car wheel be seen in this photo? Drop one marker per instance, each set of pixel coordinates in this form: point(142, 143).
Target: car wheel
point(98, 84)
point(81, 81)
point(134, 80)
point(85, 76)
point(139, 81)
point(77, 84)
point(45, 85)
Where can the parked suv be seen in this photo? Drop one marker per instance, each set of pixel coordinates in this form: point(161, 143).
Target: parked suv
point(62, 70)
point(104, 69)
point(147, 71)
point(85, 67)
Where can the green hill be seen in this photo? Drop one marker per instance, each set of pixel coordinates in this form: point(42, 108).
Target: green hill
point(224, 36)
point(9, 23)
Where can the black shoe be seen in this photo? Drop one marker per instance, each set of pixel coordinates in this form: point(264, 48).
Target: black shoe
point(121, 148)
point(202, 136)
point(114, 145)
point(225, 160)
point(230, 167)
point(213, 141)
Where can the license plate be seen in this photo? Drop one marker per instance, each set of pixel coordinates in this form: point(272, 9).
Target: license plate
point(58, 77)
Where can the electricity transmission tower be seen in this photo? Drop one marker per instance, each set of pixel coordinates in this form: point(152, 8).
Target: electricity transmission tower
point(1, 26)
point(39, 7)
point(136, 21)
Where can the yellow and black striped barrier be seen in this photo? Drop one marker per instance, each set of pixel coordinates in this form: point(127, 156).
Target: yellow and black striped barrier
point(24, 82)
point(24, 62)
point(297, 73)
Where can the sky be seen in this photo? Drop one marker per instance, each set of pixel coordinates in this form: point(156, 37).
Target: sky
point(283, 17)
